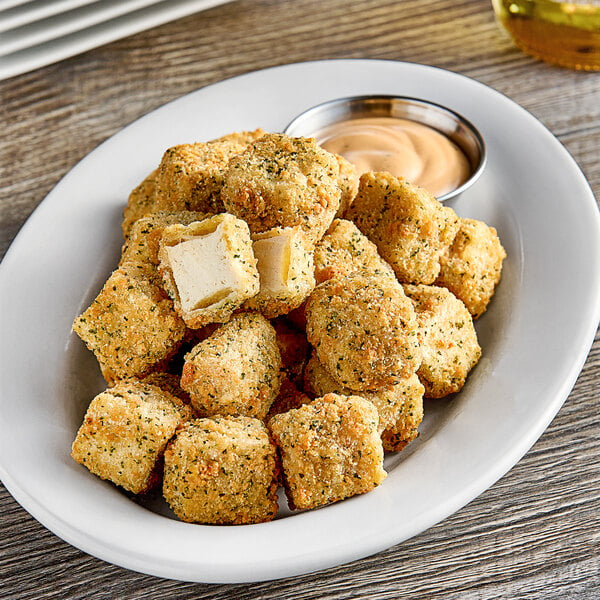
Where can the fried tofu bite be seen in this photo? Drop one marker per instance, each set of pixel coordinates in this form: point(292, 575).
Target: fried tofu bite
point(235, 371)
point(410, 228)
point(448, 339)
point(167, 382)
point(286, 270)
point(348, 182)
point(279, 181)
point(471, 266)
point(344, 250)
point(364, 331)
point(400, 406)
point(190, 176)
point(143, 242)
point(208, 268)
point(125, 431)
point(330, 450)
point(131, 326)
point(140, 202)
point(222, 471)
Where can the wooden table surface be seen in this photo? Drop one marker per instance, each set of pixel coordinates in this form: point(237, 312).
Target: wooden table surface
point(535, 533)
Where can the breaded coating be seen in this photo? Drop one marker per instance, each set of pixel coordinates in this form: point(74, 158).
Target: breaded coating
point(400, 406)
point(286, 270)
point(222, 471)
point(208, 268)
point(448, 339)
point(125, 431)
point(236, 371)
point(190, 176)
point(167, 382)
point(131, 326)
point(330, 450)
point(241, 137)
point(471, 266)
point(279, 181)
point(294, 349)
point(289, 397)
point(344, 250)
point(410, 228)
point(348, 182)
point(143, 242)
point(140, 203)
point(364, 331)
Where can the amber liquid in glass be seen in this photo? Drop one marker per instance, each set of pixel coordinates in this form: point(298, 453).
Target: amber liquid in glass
point(562, 33)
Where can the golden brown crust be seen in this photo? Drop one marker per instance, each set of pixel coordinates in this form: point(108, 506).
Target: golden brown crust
point(410, 228)
point(471, 266)
point(140, 202)
point(280, 181)
point(125, 431)
point(364, 331)
point(289, 397)
point(348, 182)
point(222, 471)
point(131, 326)
point(344, 250)
point(448, 339)
point(190, 176)
point(241, 137)
point(330, 450)
point(235, 371)
point(400, 406)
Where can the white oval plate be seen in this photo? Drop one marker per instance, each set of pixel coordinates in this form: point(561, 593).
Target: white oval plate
point(535, 335)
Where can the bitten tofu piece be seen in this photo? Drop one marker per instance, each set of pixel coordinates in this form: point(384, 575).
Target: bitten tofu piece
point(286, 270)
point(330, 450)
point(141, 201)
point(280, 181)
point(410, 228)
point(344, 250)
point(364, 330)
point(400, 406)
point(190, 176)
point(448, 339)
point(131, 326)
point(222, 471)
point(208, 268)
point(143, 242)
point(471, 266)
point(125, 431)
point(236, 370)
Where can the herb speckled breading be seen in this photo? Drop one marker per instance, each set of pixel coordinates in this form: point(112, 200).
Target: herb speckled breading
point(279, 181)
point(140, 202)
point(330, 450)
point(410, 228)
point(471, 266)
point(344, 250)
point(348, 182)
point(364, 331)
point(125, 431)
point(289, 397)
point(448, 339)
point(131, 326)
point(210, 288)
point(400, 406)
point(235, 371)
point(222, 471)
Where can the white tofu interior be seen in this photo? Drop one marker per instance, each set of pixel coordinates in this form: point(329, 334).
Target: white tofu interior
point(203, 271)
point(273, 255)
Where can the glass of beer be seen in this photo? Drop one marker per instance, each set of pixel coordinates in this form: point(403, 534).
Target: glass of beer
point(561, 33)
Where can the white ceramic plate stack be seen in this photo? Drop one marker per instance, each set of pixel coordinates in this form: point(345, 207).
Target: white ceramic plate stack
point(35, 33)
point(535, 335)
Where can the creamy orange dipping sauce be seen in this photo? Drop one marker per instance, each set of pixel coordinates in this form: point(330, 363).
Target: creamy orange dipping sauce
point(401, 147)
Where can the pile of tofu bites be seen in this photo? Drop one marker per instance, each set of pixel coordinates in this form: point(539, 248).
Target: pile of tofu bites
point(275, 319)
